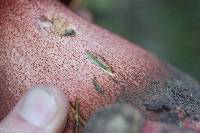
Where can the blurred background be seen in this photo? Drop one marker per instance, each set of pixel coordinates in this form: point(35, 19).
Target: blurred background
point(168, 28)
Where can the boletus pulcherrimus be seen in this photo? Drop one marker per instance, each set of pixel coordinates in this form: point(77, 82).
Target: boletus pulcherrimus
point(43, 42)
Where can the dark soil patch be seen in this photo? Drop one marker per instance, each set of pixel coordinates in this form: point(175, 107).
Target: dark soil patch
point(171, 118)
point(175, 130)
point(164, 97)
point(159, 104)
point(196, 117)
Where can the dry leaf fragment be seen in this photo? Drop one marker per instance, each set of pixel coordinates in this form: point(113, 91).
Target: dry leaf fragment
point(99, 62)
point(60, 26)
point(63, 27)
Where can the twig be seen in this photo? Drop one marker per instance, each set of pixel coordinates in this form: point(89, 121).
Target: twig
point(76, 116)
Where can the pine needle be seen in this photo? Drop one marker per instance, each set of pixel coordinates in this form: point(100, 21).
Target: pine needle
point(81, 119)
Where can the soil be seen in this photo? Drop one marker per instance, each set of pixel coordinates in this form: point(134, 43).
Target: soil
point(171, 100)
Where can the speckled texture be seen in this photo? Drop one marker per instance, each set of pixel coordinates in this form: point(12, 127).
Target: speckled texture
point(31, 54)
point(155, 127)
point(176, 100)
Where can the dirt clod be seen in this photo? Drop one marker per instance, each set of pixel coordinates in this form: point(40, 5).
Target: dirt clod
point(172, 99)
point(196, 117)
point(159, 104)
point(171, 118)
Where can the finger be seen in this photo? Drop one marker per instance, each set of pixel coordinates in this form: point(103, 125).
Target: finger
point(43, 109)
point(118, 118)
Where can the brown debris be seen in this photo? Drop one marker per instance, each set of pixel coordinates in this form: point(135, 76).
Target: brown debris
point(78, 116)
point(97, 86)
point(57, 25)
point(63, 27)
point(159, 104)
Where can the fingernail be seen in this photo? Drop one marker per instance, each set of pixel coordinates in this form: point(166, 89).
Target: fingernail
point(39, 106)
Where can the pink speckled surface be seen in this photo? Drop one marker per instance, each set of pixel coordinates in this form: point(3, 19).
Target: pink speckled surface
point(155, 127)
point(31, 55)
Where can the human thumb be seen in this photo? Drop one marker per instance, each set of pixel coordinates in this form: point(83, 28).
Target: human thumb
point(43, 110)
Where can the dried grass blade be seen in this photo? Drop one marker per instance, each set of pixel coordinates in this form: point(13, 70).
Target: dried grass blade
point(81, 119)
point(99, 62)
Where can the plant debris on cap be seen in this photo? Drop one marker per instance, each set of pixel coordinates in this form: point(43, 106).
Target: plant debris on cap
point(99, 62)
point(77, 114)
point(44, 23)
point(63, 27)
point(77, 104)
point(97, 86)
point(56, 25)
